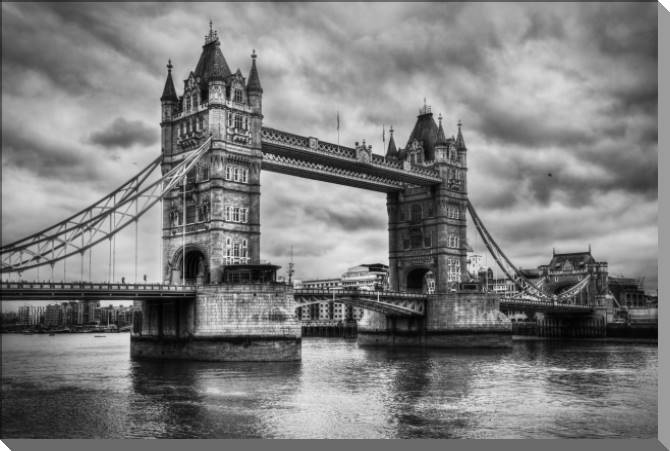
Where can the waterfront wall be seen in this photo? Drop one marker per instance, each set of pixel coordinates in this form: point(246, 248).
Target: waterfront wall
point(232, 322)
point(458, 319)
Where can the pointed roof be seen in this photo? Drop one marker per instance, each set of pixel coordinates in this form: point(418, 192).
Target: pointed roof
point(575, 259)
point(460, 142)
point(441, 137)
point(392, 151)
point(169, 93)
point(211, 62)
point(425, 131)
point(254, 81)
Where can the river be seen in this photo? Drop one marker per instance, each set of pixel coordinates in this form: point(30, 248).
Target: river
point(82, 386)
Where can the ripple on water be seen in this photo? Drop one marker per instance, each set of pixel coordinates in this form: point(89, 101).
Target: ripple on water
point(71, 386)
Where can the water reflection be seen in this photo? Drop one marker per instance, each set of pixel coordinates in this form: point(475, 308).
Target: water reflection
point(78, 386)
point(181, 399)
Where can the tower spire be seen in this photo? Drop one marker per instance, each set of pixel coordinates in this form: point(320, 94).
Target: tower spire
point(169, 93)
point(441, 137)
point(460, 142)
point(254, 81)
point(392, 151)
point(212, 36)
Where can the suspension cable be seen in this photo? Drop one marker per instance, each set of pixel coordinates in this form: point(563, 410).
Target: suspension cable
point(12, 261)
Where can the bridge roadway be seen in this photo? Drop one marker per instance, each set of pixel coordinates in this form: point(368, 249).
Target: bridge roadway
point(387, 302)
point(73, 291)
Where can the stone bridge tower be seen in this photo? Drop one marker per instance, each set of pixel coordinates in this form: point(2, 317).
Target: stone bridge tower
point(427, 225)
point(214, 218)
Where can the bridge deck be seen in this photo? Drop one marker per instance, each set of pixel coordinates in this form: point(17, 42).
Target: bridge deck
point(389, 302)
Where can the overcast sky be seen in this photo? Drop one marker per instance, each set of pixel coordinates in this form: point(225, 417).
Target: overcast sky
point(566, 89)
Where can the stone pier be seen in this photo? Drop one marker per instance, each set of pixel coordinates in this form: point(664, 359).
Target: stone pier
point(454, 320)
point(228, 322)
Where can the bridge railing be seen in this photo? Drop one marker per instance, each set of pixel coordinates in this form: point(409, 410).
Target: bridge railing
point(370, 293)
point(94, 286)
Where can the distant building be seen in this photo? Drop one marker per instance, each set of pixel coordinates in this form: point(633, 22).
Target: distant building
point(52, 315)
point(627, 292)
point(474, 264)
point(368, 276)
point(374, 276)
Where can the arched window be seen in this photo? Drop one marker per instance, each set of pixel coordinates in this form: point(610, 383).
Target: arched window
point(188, 103)
point(195, 101)
point(238, 96)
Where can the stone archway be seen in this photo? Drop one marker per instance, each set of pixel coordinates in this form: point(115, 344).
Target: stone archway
point(418, 280)
point(195, 268)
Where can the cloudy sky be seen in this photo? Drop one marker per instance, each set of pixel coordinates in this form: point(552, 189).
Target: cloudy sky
point(566, 89)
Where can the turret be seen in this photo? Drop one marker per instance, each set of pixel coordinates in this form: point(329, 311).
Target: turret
point(255, 96)
point(254, 89)
point(441, 144)
point(460, 145)
point(169, 102)
point(169, 98)
point(392, 151)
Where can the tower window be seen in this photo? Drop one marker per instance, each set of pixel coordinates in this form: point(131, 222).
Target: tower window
point(238, 122)
point(238, 96)
point(416, 241)
point(190, 213)
point(195, 101)
point(416, 213)
point(426, 241)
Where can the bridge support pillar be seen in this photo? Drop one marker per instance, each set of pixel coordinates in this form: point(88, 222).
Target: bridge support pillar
point(453, 320)
point(572, 326)
point(231, 322)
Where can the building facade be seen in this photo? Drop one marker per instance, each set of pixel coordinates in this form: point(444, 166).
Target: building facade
point(427, 225)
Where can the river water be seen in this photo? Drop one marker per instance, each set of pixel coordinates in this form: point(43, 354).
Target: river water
point(81, 386)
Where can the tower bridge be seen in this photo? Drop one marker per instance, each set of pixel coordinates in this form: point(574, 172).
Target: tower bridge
point(213, 149)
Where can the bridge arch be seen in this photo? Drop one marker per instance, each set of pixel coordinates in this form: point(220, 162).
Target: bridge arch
point(196, 267)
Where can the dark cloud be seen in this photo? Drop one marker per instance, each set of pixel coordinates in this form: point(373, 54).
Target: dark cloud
point(566, 89)
point(350, 221)
point(48, 159)
point(124, 134)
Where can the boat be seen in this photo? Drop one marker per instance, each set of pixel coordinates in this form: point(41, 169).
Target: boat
point(51, 334)
point(100, 336)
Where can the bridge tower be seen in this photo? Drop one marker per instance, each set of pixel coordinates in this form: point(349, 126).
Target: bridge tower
point(427, 226)
point(213, 219)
